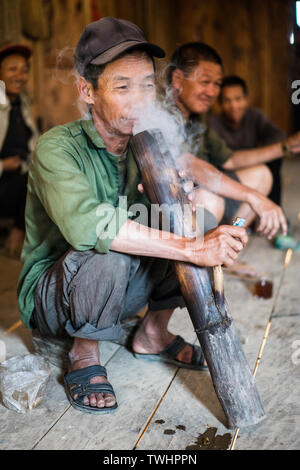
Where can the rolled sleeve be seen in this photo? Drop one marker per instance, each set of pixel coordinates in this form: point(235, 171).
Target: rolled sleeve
point(217, 150)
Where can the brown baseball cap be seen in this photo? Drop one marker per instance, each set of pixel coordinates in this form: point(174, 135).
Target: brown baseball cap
point(105, 39)
point(9, 49)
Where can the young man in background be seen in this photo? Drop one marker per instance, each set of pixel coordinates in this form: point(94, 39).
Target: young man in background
point(245, 127)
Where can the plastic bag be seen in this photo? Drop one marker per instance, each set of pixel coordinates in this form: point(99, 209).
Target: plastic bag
point(23, 380)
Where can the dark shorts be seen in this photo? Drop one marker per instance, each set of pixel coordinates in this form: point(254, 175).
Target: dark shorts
point(13, 189)
point(231, 205)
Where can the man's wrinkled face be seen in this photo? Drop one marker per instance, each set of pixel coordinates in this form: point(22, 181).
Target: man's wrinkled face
point(234, 103)
point(197, 90)
point(124, 89)
point(14, 72)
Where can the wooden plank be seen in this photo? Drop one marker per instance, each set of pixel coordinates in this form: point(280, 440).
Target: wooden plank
point(9, 272)
point(278, 375)
point(9, 313)
point(191, 408)
point(23, 431)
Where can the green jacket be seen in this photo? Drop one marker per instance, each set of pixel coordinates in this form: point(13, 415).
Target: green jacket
point(72, 201)
point(203, 141)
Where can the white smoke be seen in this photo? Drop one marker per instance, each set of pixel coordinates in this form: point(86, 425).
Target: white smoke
point(66, 73)
point(156, 116)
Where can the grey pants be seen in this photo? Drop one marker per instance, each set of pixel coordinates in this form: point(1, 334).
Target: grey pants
point(87, 294)
point(231, 205)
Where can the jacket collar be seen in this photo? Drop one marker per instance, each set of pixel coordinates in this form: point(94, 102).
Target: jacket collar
point(89, 128)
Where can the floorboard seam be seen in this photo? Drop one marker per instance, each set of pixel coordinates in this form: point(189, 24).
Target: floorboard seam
point(51, 427)
point(12, 328)
point(155, 410)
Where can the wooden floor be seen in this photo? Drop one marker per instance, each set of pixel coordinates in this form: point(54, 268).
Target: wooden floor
point(163, 407)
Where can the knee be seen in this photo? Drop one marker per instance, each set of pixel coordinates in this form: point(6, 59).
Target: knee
point(265, 180)
point(211, 202)
point(113, 265)
point(91, 267)
point(258, 177)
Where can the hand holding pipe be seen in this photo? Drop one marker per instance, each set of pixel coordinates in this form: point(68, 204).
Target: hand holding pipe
point(218, 273)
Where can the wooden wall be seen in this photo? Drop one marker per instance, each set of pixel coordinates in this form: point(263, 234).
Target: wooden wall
point(251, 35)
point(53, 81)
point(53, 85)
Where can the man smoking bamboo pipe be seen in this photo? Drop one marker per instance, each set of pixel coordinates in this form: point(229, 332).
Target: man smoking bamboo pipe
point(87, 265)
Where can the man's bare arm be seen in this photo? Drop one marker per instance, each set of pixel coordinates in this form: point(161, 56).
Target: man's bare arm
point(205, 174)
point(245, 158)
point(220, 246)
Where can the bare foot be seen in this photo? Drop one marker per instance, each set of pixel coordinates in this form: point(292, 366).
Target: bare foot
point(14, 242)
point(85, 353)
point(152, 336)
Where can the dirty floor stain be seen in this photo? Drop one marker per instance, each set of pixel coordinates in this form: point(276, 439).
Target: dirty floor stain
point(210, 441)
point(181, 427)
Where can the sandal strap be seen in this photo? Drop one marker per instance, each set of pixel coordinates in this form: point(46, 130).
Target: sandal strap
point(83, 376)
point(175, 347)
point(178, 344)
point(86, 389)
point(198, 356)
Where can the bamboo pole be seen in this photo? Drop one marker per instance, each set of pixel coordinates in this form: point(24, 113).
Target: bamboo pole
point(228, 366)
point(218, 274)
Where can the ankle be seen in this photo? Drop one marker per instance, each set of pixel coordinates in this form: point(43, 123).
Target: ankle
point(156, 322)
point(84, 351)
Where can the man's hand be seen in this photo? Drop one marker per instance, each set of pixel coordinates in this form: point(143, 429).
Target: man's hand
point(271, 216)
point(11, 163)
point(293, 142)
point(221, 246)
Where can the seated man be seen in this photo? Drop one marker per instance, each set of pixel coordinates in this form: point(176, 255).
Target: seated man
point(195, 77)
point(244, 127)
point(87, 265)
point(18, 135)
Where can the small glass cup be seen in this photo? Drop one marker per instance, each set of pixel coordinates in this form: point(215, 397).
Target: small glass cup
point(263, 288)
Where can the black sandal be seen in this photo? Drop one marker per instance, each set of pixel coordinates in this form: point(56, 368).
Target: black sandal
point(81, 378)
point(168, 355)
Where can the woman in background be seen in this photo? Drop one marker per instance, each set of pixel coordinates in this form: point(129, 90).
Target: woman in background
point(18, 136)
